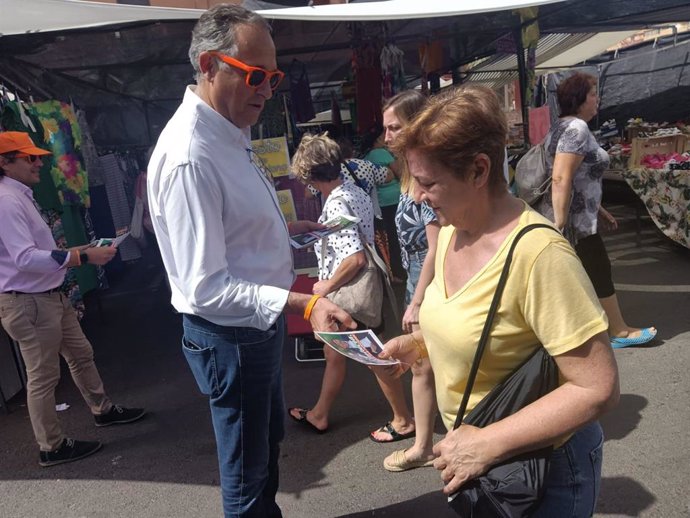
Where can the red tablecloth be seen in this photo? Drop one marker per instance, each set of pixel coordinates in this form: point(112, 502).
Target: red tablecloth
point(295, 323)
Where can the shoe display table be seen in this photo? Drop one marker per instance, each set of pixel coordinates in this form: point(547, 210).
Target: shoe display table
point(666, 195)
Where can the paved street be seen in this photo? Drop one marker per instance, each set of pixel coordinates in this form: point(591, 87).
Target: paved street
point(165, 465)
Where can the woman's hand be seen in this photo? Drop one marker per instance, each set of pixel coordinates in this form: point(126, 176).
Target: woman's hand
point(322, 288)
point(401, 348)
point(462, 455)
point(302, 226)
point(606, 219)
point(410, 320)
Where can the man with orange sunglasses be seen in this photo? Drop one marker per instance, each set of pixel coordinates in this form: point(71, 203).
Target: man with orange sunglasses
point(225, 247)
point(37, 315)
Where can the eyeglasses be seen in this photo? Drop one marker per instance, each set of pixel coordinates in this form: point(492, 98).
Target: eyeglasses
point(255, 77)
point(30, 158)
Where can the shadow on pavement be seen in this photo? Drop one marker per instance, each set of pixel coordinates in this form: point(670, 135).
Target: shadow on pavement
point(431, 504)
point(623, 419)
point(137, 345)
point(623, 496)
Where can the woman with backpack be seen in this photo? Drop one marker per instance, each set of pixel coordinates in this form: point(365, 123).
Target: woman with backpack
point(577, 164)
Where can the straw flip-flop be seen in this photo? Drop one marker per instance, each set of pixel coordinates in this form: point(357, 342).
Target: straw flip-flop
point(647, 335)
point(397, 462)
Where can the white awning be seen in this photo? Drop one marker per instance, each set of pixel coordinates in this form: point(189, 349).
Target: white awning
point(27, 16)
point(324, 117)
point(398, 9)
point(594, 46)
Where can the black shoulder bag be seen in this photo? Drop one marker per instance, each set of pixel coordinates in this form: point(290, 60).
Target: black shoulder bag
point(515, 487)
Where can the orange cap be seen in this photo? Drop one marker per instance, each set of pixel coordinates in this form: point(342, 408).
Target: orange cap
point(19, 141)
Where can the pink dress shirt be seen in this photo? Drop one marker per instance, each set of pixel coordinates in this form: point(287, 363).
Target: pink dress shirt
point(26, 243)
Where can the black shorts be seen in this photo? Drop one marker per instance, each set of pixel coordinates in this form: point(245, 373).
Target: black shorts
point(592, 253)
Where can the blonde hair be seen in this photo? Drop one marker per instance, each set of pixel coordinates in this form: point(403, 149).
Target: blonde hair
point(406, 105)
point(456, 126)
point(318, 157)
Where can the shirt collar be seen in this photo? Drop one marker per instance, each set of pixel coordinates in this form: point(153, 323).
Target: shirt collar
point(240, 136)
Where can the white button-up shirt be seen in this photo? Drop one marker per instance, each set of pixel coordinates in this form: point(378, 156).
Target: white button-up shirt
point(222, 236)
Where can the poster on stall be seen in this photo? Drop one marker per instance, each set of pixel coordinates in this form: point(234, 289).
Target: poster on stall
point(274, 154)
point(287, 205)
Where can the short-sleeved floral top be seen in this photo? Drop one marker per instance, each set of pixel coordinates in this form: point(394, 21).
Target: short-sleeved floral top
point(346, 199)
point(411, 220)
point(571, 135)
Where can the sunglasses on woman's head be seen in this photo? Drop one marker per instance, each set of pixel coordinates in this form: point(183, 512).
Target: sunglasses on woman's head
point(254, 77)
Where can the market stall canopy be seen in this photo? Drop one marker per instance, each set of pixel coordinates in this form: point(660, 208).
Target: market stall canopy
point(27, 16)
point(326, 117)
point(397, 10)
point(651, 81)
point(129, 75)
point(554, 51)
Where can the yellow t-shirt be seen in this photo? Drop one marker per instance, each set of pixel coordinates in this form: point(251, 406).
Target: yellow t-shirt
point(548, 299)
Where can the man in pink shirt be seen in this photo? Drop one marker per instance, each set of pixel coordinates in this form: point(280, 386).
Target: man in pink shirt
point(37, 315)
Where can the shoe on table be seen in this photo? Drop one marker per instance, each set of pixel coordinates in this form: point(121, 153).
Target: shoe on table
point(119, 415)
point(69, 451)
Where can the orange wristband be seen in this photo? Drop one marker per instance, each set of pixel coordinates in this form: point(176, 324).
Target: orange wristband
point(310, 306)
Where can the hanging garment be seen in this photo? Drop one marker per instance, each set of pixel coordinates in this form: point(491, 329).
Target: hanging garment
point(367, 69)
point(300, 92)
point(431, 56)
point(88, 151)
point(63, 135)
point(101, 279)
point(119, 206)
point(392, 70)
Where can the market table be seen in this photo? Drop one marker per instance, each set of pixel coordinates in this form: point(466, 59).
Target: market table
point(666, 195)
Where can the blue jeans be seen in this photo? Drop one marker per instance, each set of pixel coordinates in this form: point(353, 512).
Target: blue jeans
point(240, 369)
point(572, 484)
point(414, 269)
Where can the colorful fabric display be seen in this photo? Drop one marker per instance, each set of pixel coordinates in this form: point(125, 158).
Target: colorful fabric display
point(63, 135)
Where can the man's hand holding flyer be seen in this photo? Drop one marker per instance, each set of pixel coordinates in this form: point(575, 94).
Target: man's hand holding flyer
point(307, 239)
point(362, 346)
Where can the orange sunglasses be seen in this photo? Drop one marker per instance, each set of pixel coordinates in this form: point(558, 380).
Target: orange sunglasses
point(254, 77)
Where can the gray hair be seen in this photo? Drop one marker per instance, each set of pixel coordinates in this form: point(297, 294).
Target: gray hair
point(216, 28)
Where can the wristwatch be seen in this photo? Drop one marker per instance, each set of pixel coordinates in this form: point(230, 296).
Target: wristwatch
point(83, 257)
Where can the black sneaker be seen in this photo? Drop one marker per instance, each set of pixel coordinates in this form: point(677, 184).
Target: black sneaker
point(119, 415)
point(69, 451)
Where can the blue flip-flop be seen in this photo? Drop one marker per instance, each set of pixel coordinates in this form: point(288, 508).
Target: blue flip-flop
point(647, 335)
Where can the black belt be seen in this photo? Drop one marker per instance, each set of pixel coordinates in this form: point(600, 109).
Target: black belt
point(47, 292)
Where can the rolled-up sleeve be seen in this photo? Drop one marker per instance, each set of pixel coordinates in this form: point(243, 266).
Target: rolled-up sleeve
point(191, 205)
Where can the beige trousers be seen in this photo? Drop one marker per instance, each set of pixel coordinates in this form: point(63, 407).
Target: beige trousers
point(46, 326)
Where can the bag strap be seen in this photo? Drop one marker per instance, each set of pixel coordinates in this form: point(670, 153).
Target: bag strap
point(493, 308)
point(380, 264)
point(354, 177)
